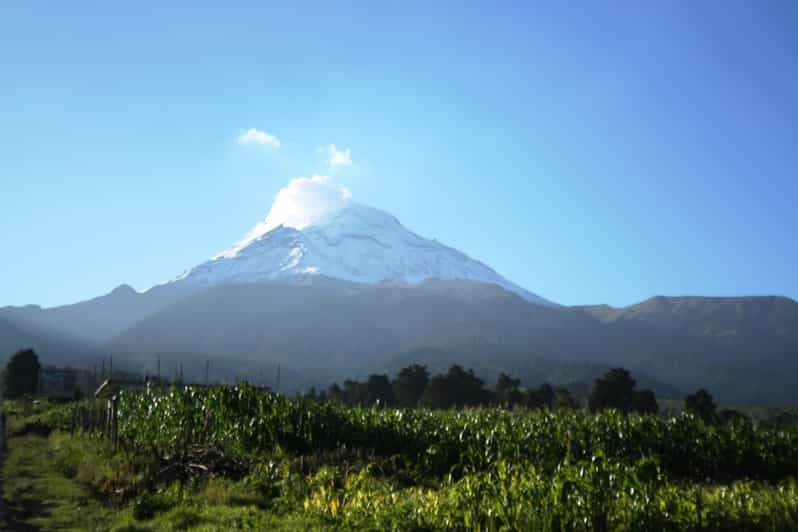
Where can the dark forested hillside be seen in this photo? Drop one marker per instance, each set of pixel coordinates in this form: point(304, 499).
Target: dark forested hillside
point(97, 319)
point(761, 330)
point(325, 329)
point(745, 350)
point(56, 348)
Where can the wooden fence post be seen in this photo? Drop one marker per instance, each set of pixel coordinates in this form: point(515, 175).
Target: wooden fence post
point(107, 420)
point(115, 423)
point(3, 433)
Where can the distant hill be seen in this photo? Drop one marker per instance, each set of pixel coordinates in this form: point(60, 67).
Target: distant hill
point(99, 319)
point(330, 327)
point(326, 329)
point(748, 329)
point(54, 348)
point(12, 338)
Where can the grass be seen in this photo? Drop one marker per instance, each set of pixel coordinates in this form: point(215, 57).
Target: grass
point(74, 481)
point(204, 518)
point(56, 483)
point(39, 496)
point(215, 505)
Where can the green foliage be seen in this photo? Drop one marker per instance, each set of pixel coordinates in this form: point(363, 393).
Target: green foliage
point(38, 493)
point(148, 505)
point(483, 468)
point(563, 400)
point(616, 389)
point(644, 402)
point(410, 384)
point(595, 494)
point(702, 405)
point(379, 390)
point(508, 390)
point(21, 376)
point(40, 416)
point(542, 397)
point(250, 421)
point(458, 387)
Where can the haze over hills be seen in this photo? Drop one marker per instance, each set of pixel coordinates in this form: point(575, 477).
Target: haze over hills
point(355, 292)
point(741, 324)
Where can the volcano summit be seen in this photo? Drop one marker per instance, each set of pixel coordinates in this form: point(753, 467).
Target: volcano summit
point(355, 243)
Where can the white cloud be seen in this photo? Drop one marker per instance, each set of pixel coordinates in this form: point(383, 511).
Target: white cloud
point(254, 136)
point(305, 200)
point(302, 202)
point(338, 158)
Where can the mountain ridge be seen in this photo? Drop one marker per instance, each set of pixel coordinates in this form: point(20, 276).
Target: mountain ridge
point(355, 243)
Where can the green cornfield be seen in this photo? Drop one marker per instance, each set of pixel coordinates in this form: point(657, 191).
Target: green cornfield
point(484, 468)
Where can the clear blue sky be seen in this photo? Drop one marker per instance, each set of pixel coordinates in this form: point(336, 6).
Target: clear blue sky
point(602, 153)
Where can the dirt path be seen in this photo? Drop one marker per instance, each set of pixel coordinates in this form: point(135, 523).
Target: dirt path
point(9, 519)
point(36, 495)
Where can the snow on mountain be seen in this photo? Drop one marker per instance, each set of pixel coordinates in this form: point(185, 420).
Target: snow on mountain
point(355, 243)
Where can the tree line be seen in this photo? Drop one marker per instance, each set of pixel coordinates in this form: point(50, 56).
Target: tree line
point(458, 387)
point(414, 386)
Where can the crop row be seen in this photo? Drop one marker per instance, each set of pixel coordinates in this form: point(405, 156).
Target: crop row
point(590, 495)
point(246, 420)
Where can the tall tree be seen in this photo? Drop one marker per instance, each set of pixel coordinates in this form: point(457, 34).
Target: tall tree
point(21, 374)
point(701, 404)
point(378, 388)
point(508, 390)
point(409, 385)
point(563, 400)
point(457, 388)
point(467, 389)
point(437, 393)
point(335, 393)
point(615, 389)
point(645, 402)
point(541, 397)
point(354, 392)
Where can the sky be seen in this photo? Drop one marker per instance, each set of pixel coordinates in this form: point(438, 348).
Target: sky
point(594, 152)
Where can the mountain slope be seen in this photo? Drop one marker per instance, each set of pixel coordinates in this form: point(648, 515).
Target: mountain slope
point(762, 329)
point(95, 320)
point(357, 243)
point(52, 348)
point(12, 339)
point(325, 329)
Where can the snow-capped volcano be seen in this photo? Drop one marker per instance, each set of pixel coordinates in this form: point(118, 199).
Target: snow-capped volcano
point(354, 243)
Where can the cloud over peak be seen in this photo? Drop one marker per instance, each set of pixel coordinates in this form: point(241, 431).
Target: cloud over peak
point(255, 136)
point(305, 200)
point(338, 158)
point(299, 204)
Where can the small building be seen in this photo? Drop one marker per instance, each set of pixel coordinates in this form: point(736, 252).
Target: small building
point(110, 387)
point(57, 383)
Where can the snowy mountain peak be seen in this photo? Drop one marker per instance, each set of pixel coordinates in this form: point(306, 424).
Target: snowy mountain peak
point(356, 216)
point(354, 243)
